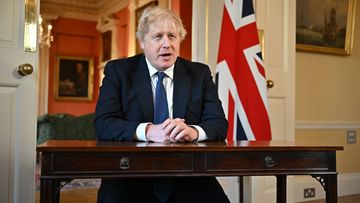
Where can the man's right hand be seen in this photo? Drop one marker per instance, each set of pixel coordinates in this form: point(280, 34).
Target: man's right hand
point(156, 133)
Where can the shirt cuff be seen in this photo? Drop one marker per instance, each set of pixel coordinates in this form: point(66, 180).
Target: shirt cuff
point(202, 135)
point(141, 132)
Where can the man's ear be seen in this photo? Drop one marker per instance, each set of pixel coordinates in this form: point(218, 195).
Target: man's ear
point(141, 42)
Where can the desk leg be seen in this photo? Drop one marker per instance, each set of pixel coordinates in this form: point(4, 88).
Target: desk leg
point(49, 191)
point(329, 183)
point(281, 188)
point(241, 189)
point(331, 189)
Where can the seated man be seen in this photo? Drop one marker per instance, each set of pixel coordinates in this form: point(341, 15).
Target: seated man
point(159, 97)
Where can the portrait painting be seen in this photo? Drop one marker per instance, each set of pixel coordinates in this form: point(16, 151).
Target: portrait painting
point(138, 13)
point(325, 26)
point(106, 46)
point(74, 78)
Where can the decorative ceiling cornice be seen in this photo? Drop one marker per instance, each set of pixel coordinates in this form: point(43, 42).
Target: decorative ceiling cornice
point(79, 9)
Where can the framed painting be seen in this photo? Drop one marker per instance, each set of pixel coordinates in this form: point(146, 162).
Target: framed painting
point(138, 13)
point(106, 46)
point(74, 78)
point(325, 26)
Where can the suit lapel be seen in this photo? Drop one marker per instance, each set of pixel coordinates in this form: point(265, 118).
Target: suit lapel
point(142, 85)
point(182, 82)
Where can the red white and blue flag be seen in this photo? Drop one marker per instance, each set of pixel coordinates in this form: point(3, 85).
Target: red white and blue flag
point(240, 74)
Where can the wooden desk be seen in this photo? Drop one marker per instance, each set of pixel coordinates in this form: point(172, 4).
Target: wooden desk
point(67, 160)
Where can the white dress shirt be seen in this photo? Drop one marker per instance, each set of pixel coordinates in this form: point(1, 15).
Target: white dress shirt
point(169, 88)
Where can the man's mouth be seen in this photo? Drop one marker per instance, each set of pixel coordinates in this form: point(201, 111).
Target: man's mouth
point(165, 55)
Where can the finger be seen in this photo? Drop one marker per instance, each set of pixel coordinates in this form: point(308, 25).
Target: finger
point(181, 135)
point(166, 123)
point(176, 131)
point(179, 121)
point(170, 128)
point(185, 139)
point(167, 139)
point(175, 124)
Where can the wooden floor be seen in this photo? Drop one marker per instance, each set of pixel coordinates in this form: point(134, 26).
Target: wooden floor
point(75, 196)
point(344, 199)
point(89, 196)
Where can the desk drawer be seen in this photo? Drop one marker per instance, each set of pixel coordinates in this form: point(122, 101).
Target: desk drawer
point(271, 161)
point(122, 162)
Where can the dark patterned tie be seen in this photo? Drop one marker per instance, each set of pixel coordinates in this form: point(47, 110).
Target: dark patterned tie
point(162, 186)
point(161, 111)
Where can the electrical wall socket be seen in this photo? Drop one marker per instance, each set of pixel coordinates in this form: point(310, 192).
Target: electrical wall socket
point(309, 192)
point(351, 136)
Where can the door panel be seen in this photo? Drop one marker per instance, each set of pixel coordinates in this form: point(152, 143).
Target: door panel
point(7, 96)
point(9, 21)
point(18, 107)
point(277, 20)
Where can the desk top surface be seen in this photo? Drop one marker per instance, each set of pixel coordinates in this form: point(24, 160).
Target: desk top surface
point(97, 146)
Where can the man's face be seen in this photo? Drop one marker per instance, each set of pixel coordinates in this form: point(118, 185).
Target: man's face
point(161, 44)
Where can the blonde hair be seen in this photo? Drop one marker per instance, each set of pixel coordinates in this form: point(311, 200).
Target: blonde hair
point(152, 15)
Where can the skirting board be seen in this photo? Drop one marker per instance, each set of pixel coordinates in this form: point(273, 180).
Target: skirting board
point(348, 184)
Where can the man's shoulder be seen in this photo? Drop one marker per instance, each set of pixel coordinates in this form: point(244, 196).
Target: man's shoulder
point(128, 60)
point(192, 64)
point(124, 65)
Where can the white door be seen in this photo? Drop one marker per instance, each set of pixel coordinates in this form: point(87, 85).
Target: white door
point(17, 104)
point(276, 19)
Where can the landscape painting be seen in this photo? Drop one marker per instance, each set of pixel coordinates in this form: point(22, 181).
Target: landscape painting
point(324, 25)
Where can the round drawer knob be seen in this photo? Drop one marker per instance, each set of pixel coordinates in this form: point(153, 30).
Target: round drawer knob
point(124, 163)
point(269, 162)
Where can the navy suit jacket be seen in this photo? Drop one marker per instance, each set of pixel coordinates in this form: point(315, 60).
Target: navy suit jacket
point(126, 99)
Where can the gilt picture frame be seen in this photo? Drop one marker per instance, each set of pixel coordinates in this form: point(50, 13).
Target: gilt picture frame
point(138, 13)
point(74, 78)
point(325, 26)
point(106, 46)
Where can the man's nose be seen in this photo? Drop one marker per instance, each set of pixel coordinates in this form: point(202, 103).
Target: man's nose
point(166, 41)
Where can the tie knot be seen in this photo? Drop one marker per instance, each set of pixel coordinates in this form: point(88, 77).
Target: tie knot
point(161, 75)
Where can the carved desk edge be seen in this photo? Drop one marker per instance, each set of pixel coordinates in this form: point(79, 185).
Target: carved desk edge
point(93, 145)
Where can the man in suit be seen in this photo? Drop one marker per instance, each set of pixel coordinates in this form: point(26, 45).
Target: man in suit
point(128, 110)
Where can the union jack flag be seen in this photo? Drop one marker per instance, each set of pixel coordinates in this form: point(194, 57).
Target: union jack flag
point(240, 74)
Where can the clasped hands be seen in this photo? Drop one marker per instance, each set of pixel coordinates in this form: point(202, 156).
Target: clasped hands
point(171, 130)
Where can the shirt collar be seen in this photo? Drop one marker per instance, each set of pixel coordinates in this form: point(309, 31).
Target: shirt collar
point(169, 72)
